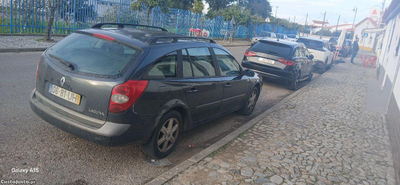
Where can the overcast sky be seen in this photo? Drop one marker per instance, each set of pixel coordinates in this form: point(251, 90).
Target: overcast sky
point(316, 8)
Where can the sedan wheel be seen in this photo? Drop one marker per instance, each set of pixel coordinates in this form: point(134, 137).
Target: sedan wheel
point(165, 136)
point(251, 102)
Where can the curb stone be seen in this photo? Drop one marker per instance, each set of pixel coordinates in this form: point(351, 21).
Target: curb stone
point(167, 176)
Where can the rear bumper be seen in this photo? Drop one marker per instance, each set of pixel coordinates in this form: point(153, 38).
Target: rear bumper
point(109, 134)
point(318, 64)
point(269, 72)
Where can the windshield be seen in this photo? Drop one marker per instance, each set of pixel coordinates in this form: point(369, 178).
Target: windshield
point(92, 55)
point(293, 36)
point(312, 44)
point(265, 34)
point(280, 36)
point(272, 48)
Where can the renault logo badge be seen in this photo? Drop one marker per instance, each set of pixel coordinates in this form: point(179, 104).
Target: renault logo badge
point(62, 80)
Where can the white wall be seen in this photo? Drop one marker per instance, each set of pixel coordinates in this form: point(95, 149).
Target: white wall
point(361, 27)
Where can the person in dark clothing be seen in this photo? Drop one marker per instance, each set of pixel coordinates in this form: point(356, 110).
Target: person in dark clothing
point(355, 50)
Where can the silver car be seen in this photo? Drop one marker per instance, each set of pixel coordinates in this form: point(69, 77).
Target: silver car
point(263, 35)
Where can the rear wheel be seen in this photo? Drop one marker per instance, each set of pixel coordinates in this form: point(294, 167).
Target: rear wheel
point(293, 85)
point(165, 137)
point(251, 102)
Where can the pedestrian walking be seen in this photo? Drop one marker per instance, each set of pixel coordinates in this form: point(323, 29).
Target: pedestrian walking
point(355, 50)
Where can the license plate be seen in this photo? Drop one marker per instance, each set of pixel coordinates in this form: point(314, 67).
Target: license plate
point(266, 60)
point(65, 94)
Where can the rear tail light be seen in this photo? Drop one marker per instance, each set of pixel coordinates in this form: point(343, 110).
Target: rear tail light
point(125, 95)
point(250, 54)
point(286, 62)
point(103, 36)
point(37, 69)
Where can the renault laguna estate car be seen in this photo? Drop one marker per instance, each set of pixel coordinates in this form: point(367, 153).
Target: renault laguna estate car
point(125, 85)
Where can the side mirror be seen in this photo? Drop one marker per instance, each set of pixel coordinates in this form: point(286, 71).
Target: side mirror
point(249, 72)
point(311, 57)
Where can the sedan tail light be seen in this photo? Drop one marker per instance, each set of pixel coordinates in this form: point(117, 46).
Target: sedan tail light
point(125, 95)
point(250, 54)
point(286, 62)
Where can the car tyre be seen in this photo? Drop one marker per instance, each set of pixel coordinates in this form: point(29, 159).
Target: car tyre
point(251, 102)
point(323, 70)
point(310, 76)
point(330, 65)
point(165, 137)
point(293, 85)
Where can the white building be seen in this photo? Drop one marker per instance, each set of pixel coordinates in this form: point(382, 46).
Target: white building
point(367, 39)
point(340, 27)
point(389, 78)
point(317, 25)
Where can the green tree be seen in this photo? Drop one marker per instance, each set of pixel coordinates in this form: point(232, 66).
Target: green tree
point(149, 5)
point(182, 4)
point(218, 4)
point(242, 17)
point(256, 20)
point(52, 5)
point(257, 7)
point(198, 7)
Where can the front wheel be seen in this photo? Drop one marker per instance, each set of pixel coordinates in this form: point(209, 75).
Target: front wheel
point(251, 102)
point(165, 136)
point(310, 76)
point(293, 85)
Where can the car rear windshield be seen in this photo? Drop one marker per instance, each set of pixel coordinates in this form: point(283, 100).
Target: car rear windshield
point(272, 48)
point(291, 36)
point(265, 34)
point(312, 44)
point(92, 55)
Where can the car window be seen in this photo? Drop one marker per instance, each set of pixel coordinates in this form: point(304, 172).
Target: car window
point(202, 62)
point(312, 44)
point(272, 48)
point(187, 67)
point(92, 55)
point(164, 67)
point(227, 64)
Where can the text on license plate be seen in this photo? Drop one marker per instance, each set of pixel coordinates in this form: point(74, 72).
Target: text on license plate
point(65, 94)
point(266, 60)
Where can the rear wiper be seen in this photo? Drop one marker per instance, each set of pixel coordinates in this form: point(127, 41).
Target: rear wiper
point(66, 63)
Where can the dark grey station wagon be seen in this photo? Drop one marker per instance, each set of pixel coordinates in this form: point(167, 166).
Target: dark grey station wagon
point(115, 86)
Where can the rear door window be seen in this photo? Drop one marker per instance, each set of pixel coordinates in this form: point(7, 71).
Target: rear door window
point(92, 55)
point(227, 64)
point(312, 44)
point(272, 48)
point(202, 62)
point(187, 67)
point(165, 67)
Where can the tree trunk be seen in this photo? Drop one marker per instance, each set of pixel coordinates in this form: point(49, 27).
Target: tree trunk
point(234, 31)
point(49, 24)
point(148, 15)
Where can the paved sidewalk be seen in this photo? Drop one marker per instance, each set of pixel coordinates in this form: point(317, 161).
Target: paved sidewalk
point(324, 135)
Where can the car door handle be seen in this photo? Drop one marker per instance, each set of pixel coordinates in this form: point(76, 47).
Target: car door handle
point(192, 90)
point(227, 85)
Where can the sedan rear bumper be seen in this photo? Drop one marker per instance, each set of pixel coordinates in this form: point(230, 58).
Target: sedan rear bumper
point(269, 72)
point(109, 134)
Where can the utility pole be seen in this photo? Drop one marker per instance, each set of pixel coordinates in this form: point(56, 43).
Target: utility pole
point(337, 25)
point(355, 14)
point(276, 11)
point(323, 24)
point(305, 24)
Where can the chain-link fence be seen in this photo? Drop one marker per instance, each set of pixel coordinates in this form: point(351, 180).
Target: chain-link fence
point(30, 16)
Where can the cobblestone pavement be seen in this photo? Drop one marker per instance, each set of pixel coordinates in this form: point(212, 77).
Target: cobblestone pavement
point(321, 136)
point(25, 42)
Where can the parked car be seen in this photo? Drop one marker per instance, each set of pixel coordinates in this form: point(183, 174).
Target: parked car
point(263, 35)
point(281, 36)
point(292, 37)
point(323, 56)
point(347, 46)
point(127, 85)
point(280, 60)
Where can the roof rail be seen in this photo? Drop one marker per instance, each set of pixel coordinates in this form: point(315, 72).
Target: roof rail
point(177, 38)
point(122, 25)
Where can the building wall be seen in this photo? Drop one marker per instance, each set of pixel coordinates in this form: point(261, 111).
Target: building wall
point(389, 61)
point(361, 27)
point(366, 42)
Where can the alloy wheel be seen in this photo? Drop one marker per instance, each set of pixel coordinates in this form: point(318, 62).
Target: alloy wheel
point(168, 135)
